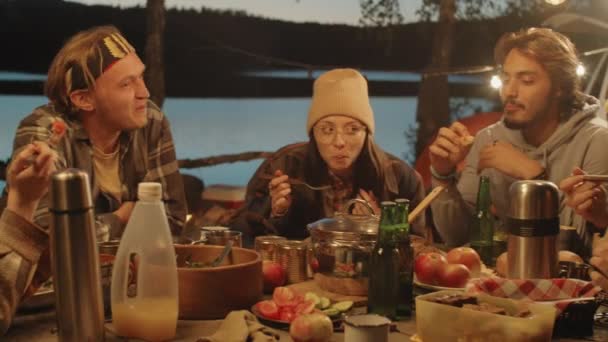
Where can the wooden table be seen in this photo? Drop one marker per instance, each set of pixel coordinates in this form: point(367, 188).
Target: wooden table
point(41, 327)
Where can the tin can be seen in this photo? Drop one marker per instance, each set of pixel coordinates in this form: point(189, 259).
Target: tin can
point(267, 246)
point(292, 256)
point(107, 253)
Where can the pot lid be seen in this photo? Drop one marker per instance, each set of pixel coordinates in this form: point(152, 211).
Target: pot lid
point(347, 224)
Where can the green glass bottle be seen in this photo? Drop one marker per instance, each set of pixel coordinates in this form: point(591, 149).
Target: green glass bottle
point(482, 229)
point(384, 267)
point(406, 259)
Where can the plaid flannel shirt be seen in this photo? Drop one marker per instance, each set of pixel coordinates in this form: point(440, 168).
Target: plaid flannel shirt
point(146, 154)
point(21, 246)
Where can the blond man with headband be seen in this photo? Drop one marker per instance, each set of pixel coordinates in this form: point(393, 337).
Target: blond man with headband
point(100, 120)
point(113, 131)
point(341, 154)
point(548, 128)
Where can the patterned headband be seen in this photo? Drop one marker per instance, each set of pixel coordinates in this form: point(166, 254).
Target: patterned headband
point(109, 50)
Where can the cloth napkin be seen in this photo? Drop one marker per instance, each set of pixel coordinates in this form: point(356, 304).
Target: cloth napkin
point(557, 289)
point(242, 326)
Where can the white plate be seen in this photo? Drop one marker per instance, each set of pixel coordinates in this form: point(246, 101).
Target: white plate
point(435, 287)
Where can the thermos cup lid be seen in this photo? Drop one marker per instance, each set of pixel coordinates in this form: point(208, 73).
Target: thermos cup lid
point(70, 191)
point(533, 199)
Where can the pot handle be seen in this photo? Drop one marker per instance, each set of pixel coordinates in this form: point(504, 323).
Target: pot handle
point(348, 205)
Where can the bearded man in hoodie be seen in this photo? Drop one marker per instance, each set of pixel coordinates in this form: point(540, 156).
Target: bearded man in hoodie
point(548, 128)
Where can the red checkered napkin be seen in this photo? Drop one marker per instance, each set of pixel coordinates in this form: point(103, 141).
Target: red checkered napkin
point(559, 290)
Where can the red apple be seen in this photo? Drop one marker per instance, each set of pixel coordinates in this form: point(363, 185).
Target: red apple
point(273, 275)
point(427, 267)
point(466, 256)
point(454, 275)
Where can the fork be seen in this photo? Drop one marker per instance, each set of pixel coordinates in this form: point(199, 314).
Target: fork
point(295, 181)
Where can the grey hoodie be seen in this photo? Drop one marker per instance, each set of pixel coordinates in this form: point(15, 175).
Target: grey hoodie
point(581, 141)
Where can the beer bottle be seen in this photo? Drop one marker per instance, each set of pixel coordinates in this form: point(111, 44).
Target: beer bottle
point(482, 230)
point(406, 259)
point(384, 266)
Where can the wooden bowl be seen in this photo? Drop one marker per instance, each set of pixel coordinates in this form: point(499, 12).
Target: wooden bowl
point(212, 292)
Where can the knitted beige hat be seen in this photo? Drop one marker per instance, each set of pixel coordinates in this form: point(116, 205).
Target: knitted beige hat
point(341, 92)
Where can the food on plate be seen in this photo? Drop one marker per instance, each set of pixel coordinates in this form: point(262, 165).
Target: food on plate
point(466, 256)
point(427, 267)
point(273, 274)
point(454, 275)
point(470, 302)
point(287, 305)
point(313, 327)
point(268, 309)
point(569, 256)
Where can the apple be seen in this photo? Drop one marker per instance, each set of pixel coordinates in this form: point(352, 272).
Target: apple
point(428, 266)
point(273, 275)
point(454, 275)
point(313, 327)
point(466, 256)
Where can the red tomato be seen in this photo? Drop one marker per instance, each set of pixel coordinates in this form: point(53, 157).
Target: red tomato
point(283, 296)
point(466, 256)
point(305, 307)
point(427, 267)
point(287, 315)
point(454, 275)
point(268, 309)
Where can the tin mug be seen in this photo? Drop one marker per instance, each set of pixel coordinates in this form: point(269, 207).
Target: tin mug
point(268, 246)
point(221, 237)
point(292, 256)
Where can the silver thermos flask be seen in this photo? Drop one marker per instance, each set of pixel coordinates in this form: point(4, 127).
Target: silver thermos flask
point(533, 224)
point(74, 258)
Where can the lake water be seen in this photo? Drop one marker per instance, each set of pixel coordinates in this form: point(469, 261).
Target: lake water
point(205, 127)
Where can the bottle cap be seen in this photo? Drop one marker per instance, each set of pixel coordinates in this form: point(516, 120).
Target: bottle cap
point(149, 191)
point(387, 203)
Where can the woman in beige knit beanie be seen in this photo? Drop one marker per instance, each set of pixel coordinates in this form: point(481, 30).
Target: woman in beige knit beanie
point(341, 155)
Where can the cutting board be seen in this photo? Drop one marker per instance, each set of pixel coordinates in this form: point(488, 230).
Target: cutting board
point(312, 286)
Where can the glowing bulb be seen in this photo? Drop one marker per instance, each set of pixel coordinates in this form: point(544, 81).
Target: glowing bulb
point(555, 2)
point(580, 70)
point(495, 82)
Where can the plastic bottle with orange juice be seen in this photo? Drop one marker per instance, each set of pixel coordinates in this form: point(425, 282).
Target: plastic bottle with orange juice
point(146, 306)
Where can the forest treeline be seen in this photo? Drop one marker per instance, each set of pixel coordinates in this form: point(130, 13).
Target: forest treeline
point(207, 51)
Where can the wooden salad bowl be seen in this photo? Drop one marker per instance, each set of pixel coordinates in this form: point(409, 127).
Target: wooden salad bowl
point(212, 292)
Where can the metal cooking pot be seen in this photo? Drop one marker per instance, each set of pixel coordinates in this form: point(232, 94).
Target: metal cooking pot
point(342, 245)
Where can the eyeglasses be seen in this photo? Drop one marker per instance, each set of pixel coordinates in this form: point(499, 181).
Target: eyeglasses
point(325, 132)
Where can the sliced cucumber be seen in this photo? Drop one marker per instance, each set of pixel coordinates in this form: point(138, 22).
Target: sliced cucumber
point(311, 296)
point(324, 303)
point(343, 306)
point(331, 312)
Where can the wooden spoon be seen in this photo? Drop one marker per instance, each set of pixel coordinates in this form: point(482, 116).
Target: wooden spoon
point(425, 203)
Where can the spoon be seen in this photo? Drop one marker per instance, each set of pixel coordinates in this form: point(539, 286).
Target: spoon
point(222, 256)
